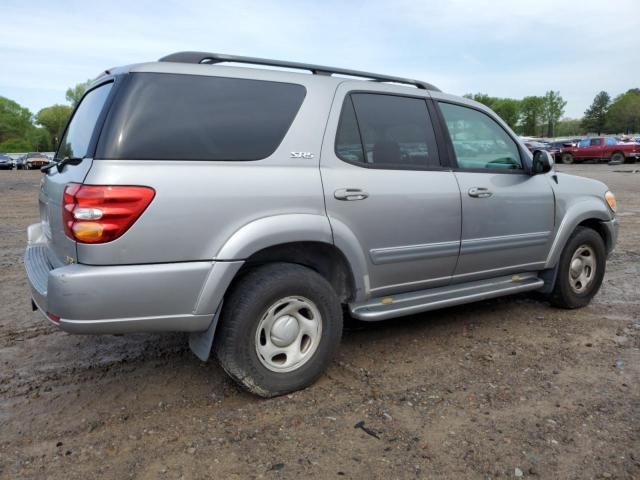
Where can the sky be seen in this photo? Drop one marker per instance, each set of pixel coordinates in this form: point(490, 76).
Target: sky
point(502, 48)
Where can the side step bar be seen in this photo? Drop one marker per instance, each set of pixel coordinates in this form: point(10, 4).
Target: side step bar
point(403, 304)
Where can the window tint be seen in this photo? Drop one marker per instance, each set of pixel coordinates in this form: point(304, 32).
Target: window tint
point(75, 142)
point(478, 140)
point(596, 141)
point(187, 117)
point(386, 131)
point(348, 143)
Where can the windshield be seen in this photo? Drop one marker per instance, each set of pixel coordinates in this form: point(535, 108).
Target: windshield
point(77, 137)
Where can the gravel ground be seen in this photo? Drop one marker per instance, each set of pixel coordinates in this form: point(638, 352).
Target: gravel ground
point(503, 388)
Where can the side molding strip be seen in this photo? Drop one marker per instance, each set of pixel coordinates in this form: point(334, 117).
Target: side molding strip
point(381, 256)
point(481, 245)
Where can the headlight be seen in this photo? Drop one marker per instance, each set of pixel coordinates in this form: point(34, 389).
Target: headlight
point(611, 200)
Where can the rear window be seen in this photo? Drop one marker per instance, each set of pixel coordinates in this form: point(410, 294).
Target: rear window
point(187, 117)
point(77, 137)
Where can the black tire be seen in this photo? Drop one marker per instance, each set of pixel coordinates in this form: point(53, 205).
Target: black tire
point(563, 294)
point(617, 158)
point(567, 159)
point(247, 304)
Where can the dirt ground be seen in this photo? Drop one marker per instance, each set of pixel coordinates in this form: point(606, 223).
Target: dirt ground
point(503, 388)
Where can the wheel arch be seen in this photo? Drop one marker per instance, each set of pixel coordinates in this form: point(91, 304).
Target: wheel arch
point(321, 257)
point(592, 216)
point(304, 239)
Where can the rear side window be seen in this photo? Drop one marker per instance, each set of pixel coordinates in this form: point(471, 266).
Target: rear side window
point(187, 117)
point(478, 140)
point(596, 142)
point(386, 131)
point(77, 137)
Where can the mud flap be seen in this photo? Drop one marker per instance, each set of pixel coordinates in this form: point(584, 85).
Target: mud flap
point(549, 277)
point(200, 342)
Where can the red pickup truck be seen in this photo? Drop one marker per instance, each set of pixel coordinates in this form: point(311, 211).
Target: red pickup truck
point(601, 148)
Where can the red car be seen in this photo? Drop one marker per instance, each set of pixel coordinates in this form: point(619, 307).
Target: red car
point(601, 148)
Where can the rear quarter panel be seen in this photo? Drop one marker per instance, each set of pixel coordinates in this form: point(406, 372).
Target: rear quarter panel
point(200, 205)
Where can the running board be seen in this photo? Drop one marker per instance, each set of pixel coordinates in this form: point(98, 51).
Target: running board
point(403, 304)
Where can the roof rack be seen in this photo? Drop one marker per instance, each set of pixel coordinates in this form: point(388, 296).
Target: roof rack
point(213, 58)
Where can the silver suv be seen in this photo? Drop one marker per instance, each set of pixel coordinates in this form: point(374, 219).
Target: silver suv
point(251, 206)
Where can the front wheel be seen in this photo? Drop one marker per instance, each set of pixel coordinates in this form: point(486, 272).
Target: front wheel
point(581, 269)
point(280, 327)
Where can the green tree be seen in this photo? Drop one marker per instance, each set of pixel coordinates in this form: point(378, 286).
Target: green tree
point(40, 140)
point(15, 121)
point(74, 94)
point(570, 127)
point(552, 109)
point(54, 119)
point(482, 98)
point(507, 108)
point(531, 115)
point(595, 116)
point(15, 145)
point(623, 115)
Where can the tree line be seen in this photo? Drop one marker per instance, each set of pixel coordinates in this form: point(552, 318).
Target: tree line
point(541, 116)
point(21, 131)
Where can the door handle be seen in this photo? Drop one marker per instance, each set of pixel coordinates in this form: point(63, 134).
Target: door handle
point(350, 194)
point(480, 192)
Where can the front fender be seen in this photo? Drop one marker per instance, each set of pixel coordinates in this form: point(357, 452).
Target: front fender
point(575, 214)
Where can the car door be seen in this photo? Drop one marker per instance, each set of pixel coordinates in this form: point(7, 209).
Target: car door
point(609, 147)
point(387, 193)
point(507, 214)
point(583, 149)
point(595, 148)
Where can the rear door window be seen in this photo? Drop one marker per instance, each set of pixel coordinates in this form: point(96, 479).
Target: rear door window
point(77, 138)
point(386, 131)
point(188, 117)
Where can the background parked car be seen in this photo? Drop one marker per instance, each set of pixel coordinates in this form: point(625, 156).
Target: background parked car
point(6, 163)
point(601, 148)
point(534, 145)
point(35, 160)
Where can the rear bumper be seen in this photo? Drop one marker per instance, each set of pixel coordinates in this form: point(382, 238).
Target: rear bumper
point(167, 297)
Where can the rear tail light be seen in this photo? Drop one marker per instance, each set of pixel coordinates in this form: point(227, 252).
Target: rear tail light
point(101, 213)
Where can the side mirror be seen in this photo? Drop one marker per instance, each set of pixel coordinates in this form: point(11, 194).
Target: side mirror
point(542, 162)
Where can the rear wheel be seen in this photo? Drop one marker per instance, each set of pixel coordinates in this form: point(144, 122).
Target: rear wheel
point(616, 159)
point(280, 327)
point(567, 158)
point(581, 269)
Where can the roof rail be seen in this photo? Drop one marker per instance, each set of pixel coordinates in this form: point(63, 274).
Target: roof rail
point(213, 58)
